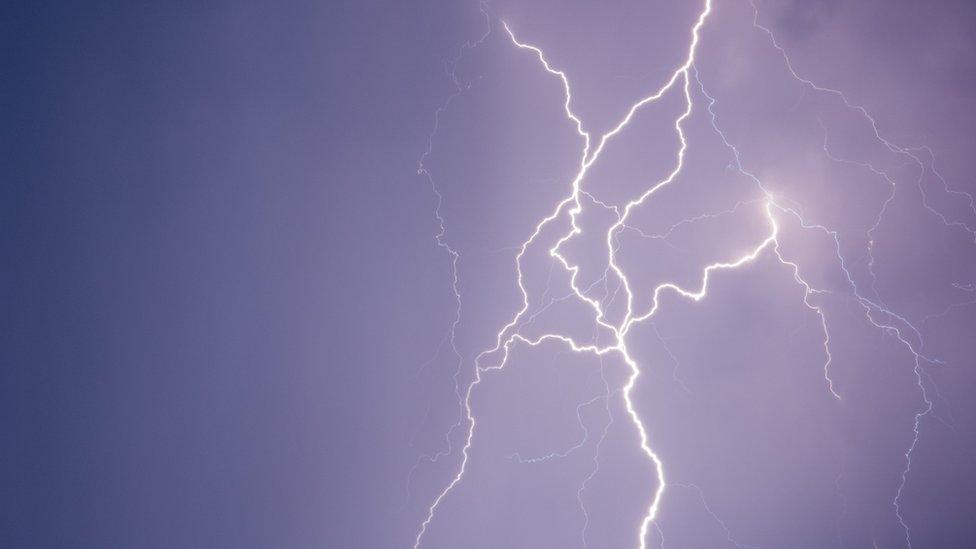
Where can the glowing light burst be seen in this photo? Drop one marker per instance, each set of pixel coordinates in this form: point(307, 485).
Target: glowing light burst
point(776, 210)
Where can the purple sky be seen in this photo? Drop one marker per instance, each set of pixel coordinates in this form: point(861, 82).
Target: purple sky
point(230, 295)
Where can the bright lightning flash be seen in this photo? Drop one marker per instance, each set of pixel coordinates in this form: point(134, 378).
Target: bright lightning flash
point(774, 211)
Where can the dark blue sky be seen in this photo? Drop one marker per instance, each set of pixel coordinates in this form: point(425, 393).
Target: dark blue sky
point(207, 214)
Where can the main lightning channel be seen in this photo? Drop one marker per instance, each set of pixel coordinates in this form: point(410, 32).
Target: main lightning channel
point(504, 339)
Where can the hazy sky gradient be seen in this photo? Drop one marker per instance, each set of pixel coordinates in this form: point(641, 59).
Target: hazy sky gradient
point(226, 310)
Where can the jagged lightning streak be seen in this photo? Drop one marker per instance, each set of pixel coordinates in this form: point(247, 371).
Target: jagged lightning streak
point(439, 237)
point(891, 146)
point(663, 236)
point(968, 288)
point(807, 289)
point(868, 305)
point(579, 444)
point(721, 523)
point(509, 335)
point(674, 371)
point(596, 454)
point(587, 160)
point(892, 190)
point(872, 307)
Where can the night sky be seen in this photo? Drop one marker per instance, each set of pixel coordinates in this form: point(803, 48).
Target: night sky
point(228, 291)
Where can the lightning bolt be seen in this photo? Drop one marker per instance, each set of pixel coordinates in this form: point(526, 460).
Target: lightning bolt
point(776, 210)
point(720, 522)
point(439, 237)
point(896, 323)
point(505, 339)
